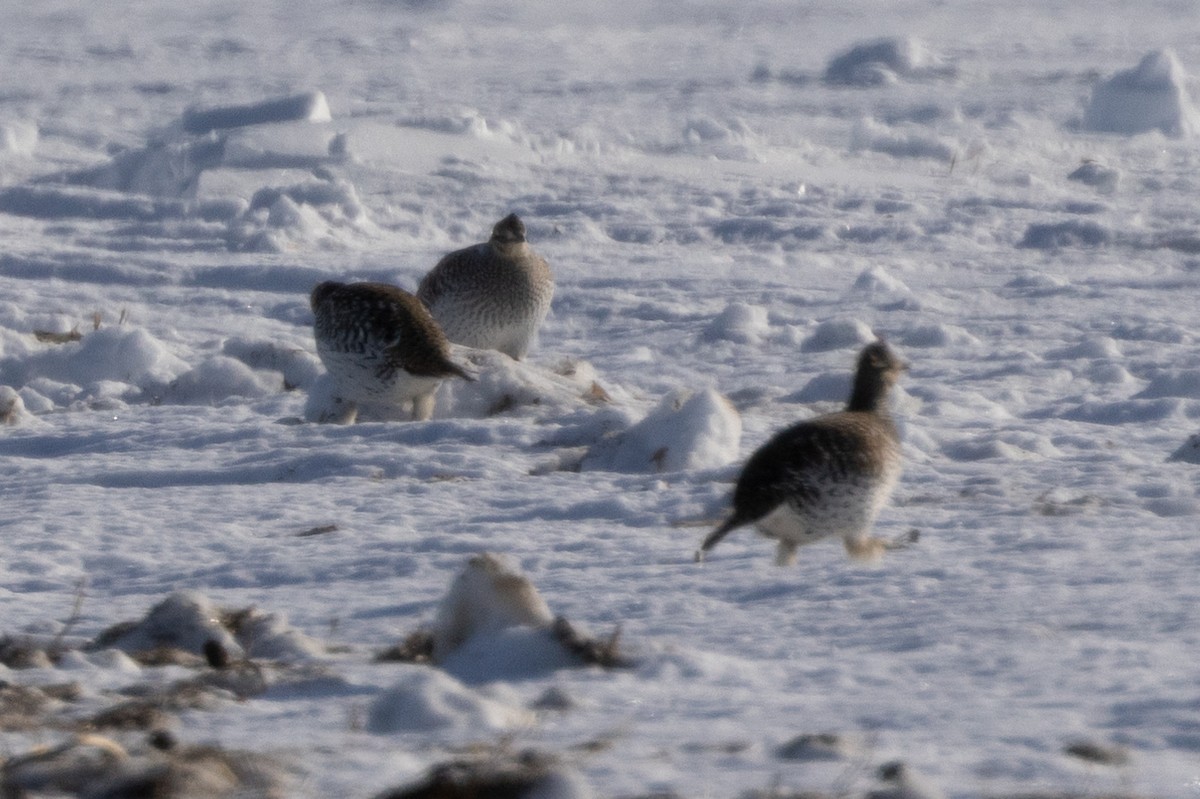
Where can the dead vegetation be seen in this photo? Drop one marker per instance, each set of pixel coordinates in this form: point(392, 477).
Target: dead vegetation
point(417, 647)
point(72, 335)
point(98, 767)
point(512, 776)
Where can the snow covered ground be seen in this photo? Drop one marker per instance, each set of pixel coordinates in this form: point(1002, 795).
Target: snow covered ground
point(734, 198)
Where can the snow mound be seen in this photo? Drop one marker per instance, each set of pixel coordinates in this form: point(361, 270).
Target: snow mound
point(323, 406)
point(298, 367)
point(12, 407)
point(1151, 96)
point(313, 213)
point(732, 139)
point(902, 142)
point(1088, 348)
point(740, 323)
point(876, 280)
point(503, 385)
point(1102, 178)
point(18, 138)
point(1172, 383)
point(825, 387)
point(835, 334)
point(429, 700)
point(510, 654)
point(494, 625)
point(160, 169)
point(812, 747)
point(126, 355)
point(187, 620)
point(1189, 452)
point(488, 596)
point(1069, 233)
point(220, 378)
point(688, 430)
point(938, 335)
point(306, 107)
point(884, 62)
point(464, 122)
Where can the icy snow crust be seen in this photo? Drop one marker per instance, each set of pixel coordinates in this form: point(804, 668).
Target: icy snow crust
point(734, 198)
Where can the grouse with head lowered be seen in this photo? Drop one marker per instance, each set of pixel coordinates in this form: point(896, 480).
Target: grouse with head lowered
point(380, 345)
point(826, 476)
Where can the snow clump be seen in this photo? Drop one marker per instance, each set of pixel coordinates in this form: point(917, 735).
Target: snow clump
point(835, 334)
point(1151, 96)
point(428, 700)
point(688, 430)
point(12, 407)
point(1189, 452)
point(739, 322)
point(489, 595)
point(123, 355)
point(18, 138)
point(189, 621)
point(883, 62)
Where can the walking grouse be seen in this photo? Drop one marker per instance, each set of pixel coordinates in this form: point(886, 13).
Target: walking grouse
point(826, 476)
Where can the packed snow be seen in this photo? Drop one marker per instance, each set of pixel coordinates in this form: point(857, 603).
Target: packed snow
point(205, 586)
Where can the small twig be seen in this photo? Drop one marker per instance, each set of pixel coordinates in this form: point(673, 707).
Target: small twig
point(321, 530)
point(72, 619)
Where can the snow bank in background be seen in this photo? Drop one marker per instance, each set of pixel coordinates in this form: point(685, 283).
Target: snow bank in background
point(18, 138)
point(317, 212)
point(429, 700)
point(313, 213)
point(1151, 96)
point(899, 143)
point(883, 62)
point(171, 164)
point(307, 107)
point(730, 139)
point(160, 169)
point(687, 430)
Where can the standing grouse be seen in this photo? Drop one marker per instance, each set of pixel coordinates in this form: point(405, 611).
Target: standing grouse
point(826, 476)
point(493, 295)
point(380, 345)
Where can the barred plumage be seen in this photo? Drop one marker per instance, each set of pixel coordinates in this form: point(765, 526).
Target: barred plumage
point(830, 475)
point(379, 344)
point(493, 295)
